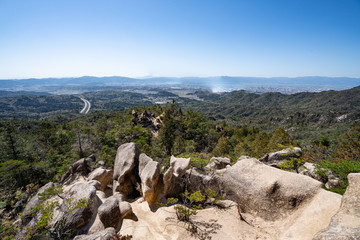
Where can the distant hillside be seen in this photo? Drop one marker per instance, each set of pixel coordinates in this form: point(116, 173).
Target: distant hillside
point(17, 93)
point(324, 112)
point(304, 115)
point(35, 106)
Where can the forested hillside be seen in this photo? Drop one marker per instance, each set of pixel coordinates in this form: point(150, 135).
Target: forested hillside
point(303, 115)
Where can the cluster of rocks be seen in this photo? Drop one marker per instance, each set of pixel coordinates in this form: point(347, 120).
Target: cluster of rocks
point(147, 120)
point(275, 159)
point(282, 204)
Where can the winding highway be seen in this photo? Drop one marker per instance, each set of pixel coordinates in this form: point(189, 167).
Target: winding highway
point(87, 106)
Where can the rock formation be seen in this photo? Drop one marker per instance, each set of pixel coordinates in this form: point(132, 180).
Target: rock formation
point(217, 163)
point(274, 158)
point(78, 169)
point(262, 202)
point(149, 172)
point(126, 170)
point(147, 120)
point(173, 183)
point(102, 175)
point(345, 224)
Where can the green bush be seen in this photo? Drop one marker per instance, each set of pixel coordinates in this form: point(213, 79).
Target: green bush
point(341, 169)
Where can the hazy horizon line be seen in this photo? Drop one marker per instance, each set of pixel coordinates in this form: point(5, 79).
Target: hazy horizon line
point(149, 77)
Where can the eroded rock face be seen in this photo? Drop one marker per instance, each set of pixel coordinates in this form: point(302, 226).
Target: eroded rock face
point(274, 158)
point(34, 202)
point(78, 217)
point(218, 163)
point(149, 172)
point(126, 173)
point(265, 191)
point(106, 234)
point(147, 120)
point(196, 181)
point(78, 169)
point(109, 212)
point(102, 175)
point(285, 204)
point(345, 224)
point(173, 182)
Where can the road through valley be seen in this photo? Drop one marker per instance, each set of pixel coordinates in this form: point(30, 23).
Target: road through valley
point(87, 106)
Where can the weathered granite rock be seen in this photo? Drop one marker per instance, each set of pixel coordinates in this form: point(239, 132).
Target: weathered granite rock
point(109, 212)
point(126, 173)
point(196, 181)
point(274, 158)
point(265, 191)
point(345, 224)
point(242, 157)
point(217, 163)
point(78, 217)
point(332, 180)
point(288, 204)
point(107, 234)
point(149, 172)
point(125, 209)
point(96, 184)
point(173, 182)
point(102, 175)
point(147, 120)
point(309, 169)
point(78, 169)
point(33, 202)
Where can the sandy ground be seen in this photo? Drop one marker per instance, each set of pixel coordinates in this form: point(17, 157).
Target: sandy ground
point(212, 223)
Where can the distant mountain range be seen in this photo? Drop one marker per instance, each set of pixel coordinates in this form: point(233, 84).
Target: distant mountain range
point(215, 84)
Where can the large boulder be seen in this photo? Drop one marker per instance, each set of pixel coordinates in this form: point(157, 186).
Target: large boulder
point(217, 163)
point(149, 172)
point(173, 182)
point(196, 181)
point(109, 212)
point(345, 224)
point(102, 175)
point(288, 204)
point(76, 170)
point(126, 173)
point(34, 202)
point(265, 191)
point(71, 218)
point(106, 234)
point(274, 158)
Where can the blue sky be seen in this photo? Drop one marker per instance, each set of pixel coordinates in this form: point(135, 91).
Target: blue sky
point(136, 38)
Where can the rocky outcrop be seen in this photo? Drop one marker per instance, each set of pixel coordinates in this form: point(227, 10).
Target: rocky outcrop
point(196, 181)
point(102, 175)
point(262, 202)
point(173, 182)
point(281, 197)
point(147, 120)
point(126, 175)
point(267, 192)
point(332, 180)
point(78, 169)
point(33, 202)
point(345, 224)
point(217, 163)
point(106, 234)
point(76, 218)
point(109, 212)
point(149, 172)
point(274, 158)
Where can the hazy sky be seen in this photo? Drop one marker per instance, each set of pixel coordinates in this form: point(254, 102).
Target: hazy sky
point(70, 38)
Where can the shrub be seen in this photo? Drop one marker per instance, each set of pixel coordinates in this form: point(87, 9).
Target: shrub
point(341, 169)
